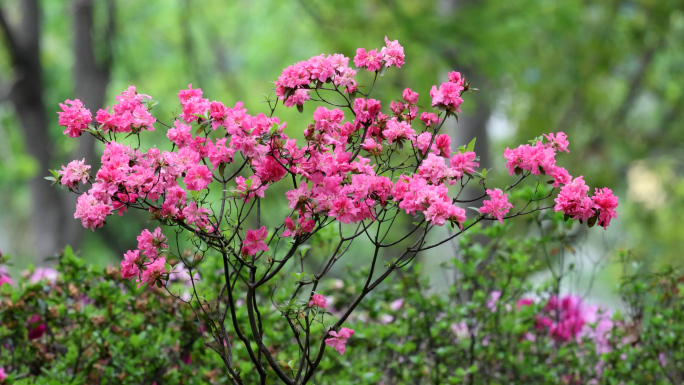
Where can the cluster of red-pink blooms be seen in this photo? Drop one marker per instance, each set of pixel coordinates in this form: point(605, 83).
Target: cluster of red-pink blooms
point(572, 200)
point(145, 263)
point(570, 319)
point(565, 319)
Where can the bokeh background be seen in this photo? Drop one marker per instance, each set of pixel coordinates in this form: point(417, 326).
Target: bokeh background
point(608, 73)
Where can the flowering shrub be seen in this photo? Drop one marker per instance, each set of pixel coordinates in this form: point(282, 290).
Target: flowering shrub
point(357, 172)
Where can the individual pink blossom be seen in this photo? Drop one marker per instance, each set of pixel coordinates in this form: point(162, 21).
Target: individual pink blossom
point(193, 104)
point(3, 374)
point(573, 200)
point(606, 203)
point(464, 163)
point(254, 241)
point(559, 142)
point(154, 272)
point(423, 142)
point(150, 244)
point(429, 118)
point(535, 159)
point(130, 266)
point(366, 110)
point(373, 147)
point(339, 339)
point(44, 273)
point(91, 211)
point(370, 60)
point(560, 176)
point(442, 145)
point(198, 177)
point(180, 134)
point(497, 205)
point(494, 297)
point(392, 53)
point(303, 225)
point(74, 172)
point(456, 78)
point(4, 276)
point(75, 117)
point(396, 304)
point(447, 96)
point(410, 96)
point(36, 328)
point(196, 215)
point(298, 98)
point(396, 130)
point(318, 300)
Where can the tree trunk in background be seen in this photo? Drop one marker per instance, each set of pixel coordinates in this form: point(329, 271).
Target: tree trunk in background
point(52, 220)
point(91, 76)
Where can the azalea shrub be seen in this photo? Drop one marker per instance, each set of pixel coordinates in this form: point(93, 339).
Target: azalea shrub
point(366, 182)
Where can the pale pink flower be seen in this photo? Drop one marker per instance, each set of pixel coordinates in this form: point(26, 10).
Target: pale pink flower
point(74, 172)
point(44, 273)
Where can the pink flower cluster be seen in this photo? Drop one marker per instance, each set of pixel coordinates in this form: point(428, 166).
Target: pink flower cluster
point(74, 172)
point(144, 263)
point(128, 115)
point(391, 55)
point(497, 205)
point(254, 241)
point(572, 200)
point(293, 84)
point(569, 319)
point(318, 300)
point(75, 117)
point(339, 339)
point(4, 277)
point(448, 95)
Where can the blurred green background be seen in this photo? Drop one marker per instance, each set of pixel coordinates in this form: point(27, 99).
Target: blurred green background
point(608, 73)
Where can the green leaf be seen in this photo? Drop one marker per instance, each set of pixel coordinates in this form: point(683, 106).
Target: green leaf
point(383, 69)
point(300, 108)
point(471, 145)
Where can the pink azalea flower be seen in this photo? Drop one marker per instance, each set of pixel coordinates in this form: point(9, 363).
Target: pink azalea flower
point(318, 300)
point(74, 172)
point(497, 205)
point(4, 276)
point(339, 340)
point(75, 117)
point(130, 266)
point(254, 241)
point(153, 272)
point(198, 177)
point(44, 273)
point(448, 96)
point(606, 203)
point(409, 96)
point(3, 374)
